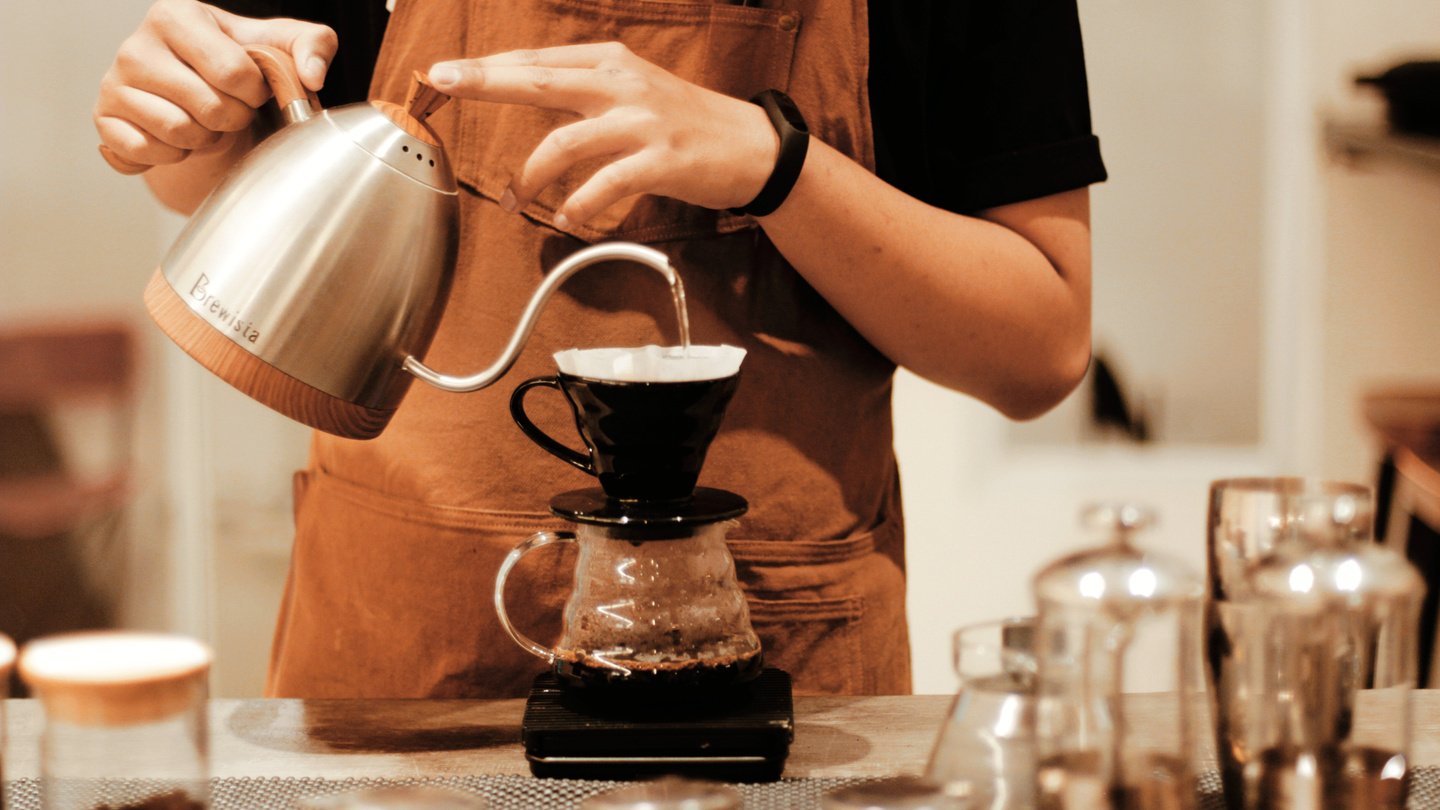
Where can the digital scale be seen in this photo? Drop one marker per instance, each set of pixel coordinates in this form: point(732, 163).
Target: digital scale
point(740, 734)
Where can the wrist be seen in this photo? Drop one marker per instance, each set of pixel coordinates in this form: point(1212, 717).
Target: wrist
point(760, 150)
point(793, 138)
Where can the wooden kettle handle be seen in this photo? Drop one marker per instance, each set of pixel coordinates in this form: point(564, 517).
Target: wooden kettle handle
point(279, 71)
point(120, 164)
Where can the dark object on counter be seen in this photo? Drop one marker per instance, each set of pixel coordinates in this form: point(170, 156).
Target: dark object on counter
point(174, 800)
point(1412, 93)
point(741, 734)
point(897, 793)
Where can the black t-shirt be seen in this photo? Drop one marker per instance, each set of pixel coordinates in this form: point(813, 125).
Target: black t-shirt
point(974, 103)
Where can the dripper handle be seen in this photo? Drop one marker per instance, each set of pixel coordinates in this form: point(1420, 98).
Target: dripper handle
point(547, 442)
point(533, 542)
point(606, 252)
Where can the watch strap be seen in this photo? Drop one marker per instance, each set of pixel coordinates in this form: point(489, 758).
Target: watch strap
point(794, 145)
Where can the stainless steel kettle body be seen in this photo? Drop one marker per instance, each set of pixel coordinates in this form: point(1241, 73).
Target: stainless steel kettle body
point(321, 262)
point(314, 276)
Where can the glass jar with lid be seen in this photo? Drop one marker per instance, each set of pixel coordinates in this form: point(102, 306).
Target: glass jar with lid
point(7, 663)
point(125, 720)
point(1119, 680)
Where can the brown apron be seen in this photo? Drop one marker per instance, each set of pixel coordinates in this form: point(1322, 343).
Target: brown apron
point(399, 538)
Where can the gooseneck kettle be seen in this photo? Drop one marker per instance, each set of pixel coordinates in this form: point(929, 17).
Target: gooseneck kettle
point(314, 276)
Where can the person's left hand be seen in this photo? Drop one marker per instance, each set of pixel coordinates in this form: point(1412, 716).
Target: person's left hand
point(658, 133)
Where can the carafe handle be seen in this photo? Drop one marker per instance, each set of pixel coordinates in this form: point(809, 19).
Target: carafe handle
point(533, 542)
point(296, 102)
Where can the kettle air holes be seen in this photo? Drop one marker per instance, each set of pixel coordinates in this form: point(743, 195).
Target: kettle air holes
point(404, 149)
point(419, 156)
point(432, 163)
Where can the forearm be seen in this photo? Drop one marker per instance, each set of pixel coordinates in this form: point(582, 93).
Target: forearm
point(969, 303)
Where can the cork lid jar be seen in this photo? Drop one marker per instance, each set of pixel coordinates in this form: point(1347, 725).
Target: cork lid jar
point(116, 677)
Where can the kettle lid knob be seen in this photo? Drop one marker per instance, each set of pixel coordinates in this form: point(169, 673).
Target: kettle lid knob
point(421, 102)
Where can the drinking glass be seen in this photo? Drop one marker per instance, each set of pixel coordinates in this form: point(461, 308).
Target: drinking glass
point(985, 751)
point(1329, 677)
point(1248, 519)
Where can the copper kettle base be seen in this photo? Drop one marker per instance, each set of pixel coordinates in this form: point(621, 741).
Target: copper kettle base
point(254, 377)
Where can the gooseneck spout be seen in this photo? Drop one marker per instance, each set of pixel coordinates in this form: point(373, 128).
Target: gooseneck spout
point(611, 251)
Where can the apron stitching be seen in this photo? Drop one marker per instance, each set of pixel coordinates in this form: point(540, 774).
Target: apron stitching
point(650, 11)
point(847, 608)
point(458, 517)
point(781, 551)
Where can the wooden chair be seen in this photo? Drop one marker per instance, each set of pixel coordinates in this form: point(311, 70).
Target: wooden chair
point(62, 523)
point(1407, 421)
point(45, 369)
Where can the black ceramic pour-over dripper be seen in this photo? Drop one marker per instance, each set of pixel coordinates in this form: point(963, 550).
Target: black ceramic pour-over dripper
point(647, 440)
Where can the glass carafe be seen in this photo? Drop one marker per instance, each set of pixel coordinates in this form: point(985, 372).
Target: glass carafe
point(1119, 686)
point(655, 605)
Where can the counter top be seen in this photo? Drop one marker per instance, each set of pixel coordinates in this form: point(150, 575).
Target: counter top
point(341, 739)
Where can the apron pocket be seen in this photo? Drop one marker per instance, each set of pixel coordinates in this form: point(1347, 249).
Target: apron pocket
point(735, 50)
point(816, 640)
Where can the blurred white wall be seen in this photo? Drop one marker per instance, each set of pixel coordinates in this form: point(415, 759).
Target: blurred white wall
point(78, 240)
point(1342, 260)
point(1380, 238)
point(1177, 96)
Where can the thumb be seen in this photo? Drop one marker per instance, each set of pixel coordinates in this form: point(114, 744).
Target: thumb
point(311, 45)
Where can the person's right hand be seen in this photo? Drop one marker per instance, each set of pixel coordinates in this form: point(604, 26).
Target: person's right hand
point(182, 82)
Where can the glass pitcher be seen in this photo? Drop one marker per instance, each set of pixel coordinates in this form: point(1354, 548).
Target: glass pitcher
point(654, 607)
point(986, 748)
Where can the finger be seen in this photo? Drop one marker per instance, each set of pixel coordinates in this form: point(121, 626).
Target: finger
point(585, 55)
point(134, 144)
point(623, 178)
point(312, 45)
point(563, 148)
point(195, 36)
point(571, 89)
point(169, 78)
point(158, 118)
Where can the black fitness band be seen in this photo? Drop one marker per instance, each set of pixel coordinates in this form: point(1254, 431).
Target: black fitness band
point(794, 143)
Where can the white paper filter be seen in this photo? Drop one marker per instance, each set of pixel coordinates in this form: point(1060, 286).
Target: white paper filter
point(652, 363)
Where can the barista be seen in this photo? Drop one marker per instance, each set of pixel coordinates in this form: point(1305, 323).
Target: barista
point(939, 219)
